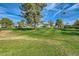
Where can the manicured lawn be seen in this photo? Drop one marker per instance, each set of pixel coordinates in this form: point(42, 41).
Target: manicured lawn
point(39, 42)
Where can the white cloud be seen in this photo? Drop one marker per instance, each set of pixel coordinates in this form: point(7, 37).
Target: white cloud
point(73, 7)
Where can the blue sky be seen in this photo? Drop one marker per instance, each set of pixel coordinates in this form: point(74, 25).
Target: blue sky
point(69, 12)
point(10, 11)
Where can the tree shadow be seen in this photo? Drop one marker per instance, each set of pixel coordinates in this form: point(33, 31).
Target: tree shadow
point(24, 29)
point(71, 32)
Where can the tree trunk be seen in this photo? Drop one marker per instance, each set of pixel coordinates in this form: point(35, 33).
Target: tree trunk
point(35, 24)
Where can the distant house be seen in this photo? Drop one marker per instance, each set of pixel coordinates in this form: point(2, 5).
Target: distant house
point(39, 25)
point(15, 26)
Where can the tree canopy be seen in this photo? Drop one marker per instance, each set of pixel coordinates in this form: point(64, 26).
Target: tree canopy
point(5, 22)
point(59, 23)
point(32, 12)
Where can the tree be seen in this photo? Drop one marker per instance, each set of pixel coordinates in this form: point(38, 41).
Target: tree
point(5, 22)
point(76, 23)
point(32, 12)
point(59, 23)
point(50, 23)
point(21, 24)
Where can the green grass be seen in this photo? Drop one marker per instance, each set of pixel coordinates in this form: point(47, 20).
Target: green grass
point(40, 42)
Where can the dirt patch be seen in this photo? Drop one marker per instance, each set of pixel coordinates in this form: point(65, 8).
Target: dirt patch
point(4, 33)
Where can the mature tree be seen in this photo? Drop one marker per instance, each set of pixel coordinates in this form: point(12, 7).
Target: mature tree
point(5, 22)
point(32, 12)
point(59, 23)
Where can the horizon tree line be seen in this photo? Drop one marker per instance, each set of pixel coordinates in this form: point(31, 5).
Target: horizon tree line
point(7, 23)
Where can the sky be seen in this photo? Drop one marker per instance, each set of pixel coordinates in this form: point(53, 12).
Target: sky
point(11, 11)
point(69, 12)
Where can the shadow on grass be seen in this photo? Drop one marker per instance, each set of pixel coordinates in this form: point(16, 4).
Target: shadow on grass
point(24, 29)
point(70, 32)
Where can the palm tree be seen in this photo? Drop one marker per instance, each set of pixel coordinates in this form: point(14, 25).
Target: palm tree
point(59, 24)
